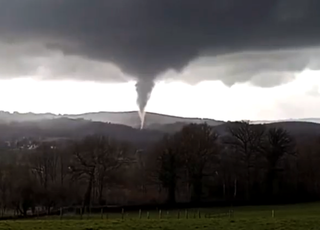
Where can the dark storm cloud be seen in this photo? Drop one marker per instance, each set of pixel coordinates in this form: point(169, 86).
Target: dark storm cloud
point(241, 40)
point(34, 59)
point(147, 37)
point(263, 68)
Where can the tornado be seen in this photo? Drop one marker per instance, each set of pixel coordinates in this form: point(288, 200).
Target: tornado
point(144, 89)
point(263, 42)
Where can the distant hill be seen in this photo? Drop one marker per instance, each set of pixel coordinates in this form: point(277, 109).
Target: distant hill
point(120, 125)
point(125, 118)
point(61, 128)
point(153, 120)
point(312, 120)
point(66, 128)
point(6, 117)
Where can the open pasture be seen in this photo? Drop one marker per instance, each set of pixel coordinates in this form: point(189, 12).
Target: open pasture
point(297, 217)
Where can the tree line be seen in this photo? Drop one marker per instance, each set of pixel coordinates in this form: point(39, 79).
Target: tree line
point(247, 164)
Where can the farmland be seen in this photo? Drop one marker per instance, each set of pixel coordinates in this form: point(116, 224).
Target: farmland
point(298, 217)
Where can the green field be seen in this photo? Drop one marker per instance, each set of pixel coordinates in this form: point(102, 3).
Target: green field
point(299, 217)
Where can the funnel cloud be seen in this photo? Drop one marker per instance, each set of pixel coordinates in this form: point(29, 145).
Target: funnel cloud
point(144, 89)
point(263, 42)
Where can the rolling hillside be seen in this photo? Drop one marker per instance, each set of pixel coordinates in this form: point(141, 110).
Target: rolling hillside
point(119, 125)
point(125, 118)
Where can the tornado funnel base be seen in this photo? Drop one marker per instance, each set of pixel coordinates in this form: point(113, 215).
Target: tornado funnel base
point(142, 117)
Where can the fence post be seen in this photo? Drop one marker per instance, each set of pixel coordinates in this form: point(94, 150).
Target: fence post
point(122, 214)
point(160, 214)
point(167, 214)
point(81, 212)
point(101, 213)
point(148, 215)
point(61, 213)
point(199, 214)
point(186, 214)
point(178, 214)
point(272, 214)
point(139, 213)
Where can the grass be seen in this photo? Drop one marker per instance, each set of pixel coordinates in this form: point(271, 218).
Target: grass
point(297, 217)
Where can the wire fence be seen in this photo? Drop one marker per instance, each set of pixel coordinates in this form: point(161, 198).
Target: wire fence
point(104, 213)
point(118, 213)
point(108, 212)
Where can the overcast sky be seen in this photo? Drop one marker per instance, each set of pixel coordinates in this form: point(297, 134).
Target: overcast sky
point(212, 99)
point(222, 59)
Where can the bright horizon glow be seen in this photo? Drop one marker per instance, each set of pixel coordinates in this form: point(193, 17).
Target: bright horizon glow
point(210, 99)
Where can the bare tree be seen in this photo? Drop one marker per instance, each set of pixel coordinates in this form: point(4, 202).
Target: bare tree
point(24, 191)
point(44, 165)
point(278, 144)
point(169, 165)
point(94, 158)
point(198, 146)
point(5, 183)
point(228, 173)
point(246, 140)
point(116, 156)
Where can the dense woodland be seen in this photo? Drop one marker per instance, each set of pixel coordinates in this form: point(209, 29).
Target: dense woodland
point(247, 164)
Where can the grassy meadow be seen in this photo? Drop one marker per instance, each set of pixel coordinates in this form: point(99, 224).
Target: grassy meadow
point(298, 217)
